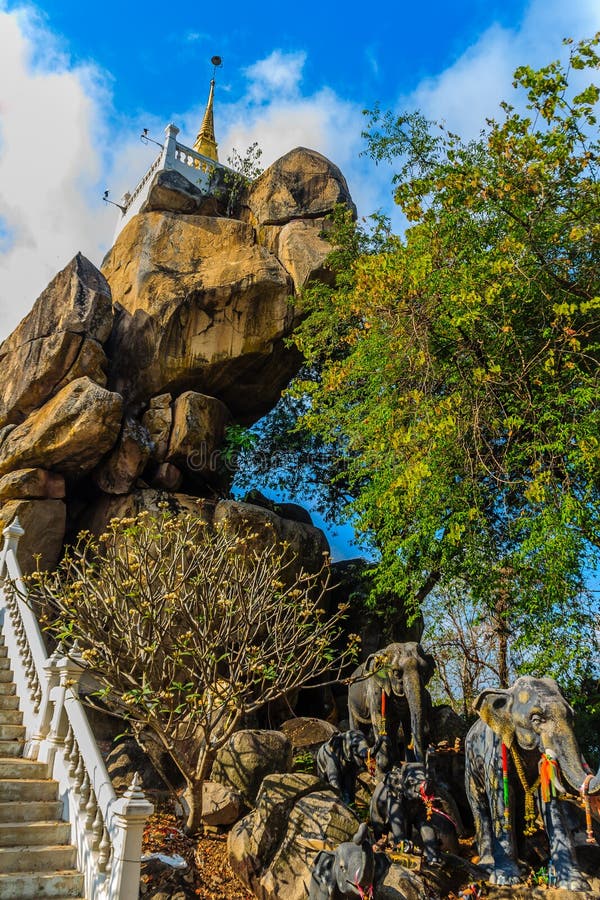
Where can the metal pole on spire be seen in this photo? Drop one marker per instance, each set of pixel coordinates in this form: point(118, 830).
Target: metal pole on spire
point(205, 142)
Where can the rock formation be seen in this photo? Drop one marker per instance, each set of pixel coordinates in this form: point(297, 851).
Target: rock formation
point(119, 385)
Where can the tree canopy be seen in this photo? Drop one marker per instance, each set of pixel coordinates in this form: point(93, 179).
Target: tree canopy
point(187, 630)
point(454, 369)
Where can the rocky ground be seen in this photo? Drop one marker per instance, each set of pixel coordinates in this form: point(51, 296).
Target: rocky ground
point(208, 875)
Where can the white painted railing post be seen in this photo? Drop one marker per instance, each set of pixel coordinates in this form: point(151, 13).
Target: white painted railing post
point(168, 160)
point(129, 814)
point(63, 672)
point(12, 535)
point(43, 739)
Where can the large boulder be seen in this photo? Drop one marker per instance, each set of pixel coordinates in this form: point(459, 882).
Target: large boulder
point(44, 525)
point(303, 184)
point(302, 250)
point(59, 341)
point(69, 434)
point(262, 528)
point(32, 484)
point(247, 757)
point(252, 846)
point(170, 191)
point(158, 420)
point(197, 435)
point(272, 850)
point(201, 306)
point(119, 472)
point(307, 546)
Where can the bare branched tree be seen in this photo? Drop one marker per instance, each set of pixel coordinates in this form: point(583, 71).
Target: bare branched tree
point(189, 629)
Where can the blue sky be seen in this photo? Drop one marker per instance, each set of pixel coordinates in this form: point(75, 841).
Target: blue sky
point(79, 81)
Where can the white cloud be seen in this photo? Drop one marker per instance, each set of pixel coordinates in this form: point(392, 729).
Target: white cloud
point(469, 91)
point(58, 153)
point(279, 74)
point(50, 129)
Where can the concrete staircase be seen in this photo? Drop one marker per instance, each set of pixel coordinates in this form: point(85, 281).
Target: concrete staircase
point(36, 859)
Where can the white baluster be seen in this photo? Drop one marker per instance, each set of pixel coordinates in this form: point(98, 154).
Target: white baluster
point(104, 852)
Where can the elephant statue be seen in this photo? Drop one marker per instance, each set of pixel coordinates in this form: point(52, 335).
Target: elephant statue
point(405, 800)
point(399, 672)
point(352, 870)
point(523, 750)
point(341, 758)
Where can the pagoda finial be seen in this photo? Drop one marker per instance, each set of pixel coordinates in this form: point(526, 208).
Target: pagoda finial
point(205, 140)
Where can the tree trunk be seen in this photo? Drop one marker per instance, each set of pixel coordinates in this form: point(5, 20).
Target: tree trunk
point(502, 631)
point(193, 791)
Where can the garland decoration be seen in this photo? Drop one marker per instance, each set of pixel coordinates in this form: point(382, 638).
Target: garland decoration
point(504, 750)
point(549, 781)
point(427, 800)
point(530, 816)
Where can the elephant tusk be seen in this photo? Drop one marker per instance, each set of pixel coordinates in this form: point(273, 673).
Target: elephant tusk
point(585, 799)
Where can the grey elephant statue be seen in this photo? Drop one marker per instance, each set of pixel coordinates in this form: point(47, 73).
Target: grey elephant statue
point(352, 870)
point(341, 758)
point(522, 754)
point(404, 800)
point(399, 674)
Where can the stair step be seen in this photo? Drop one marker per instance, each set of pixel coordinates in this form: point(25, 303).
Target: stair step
point(27, 789)
point(6, 675)
point(9, 701)
point(4, 662)
point(10, 748)
point(22, 768)
point(29, 834)
point(29, 885)
point(54, 858)
point(3, 651)
point(7, 687)
point(30, 811)
point(12, 732)
point(10, 717)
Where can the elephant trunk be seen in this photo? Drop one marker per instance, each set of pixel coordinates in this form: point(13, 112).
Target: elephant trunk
point(568, 755)
point(413, 691)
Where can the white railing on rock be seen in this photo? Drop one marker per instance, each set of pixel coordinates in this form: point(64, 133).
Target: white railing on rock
point(106, 830)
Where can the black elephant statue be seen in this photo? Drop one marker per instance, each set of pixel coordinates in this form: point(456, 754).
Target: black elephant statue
point(521, 755)
point(341, 758)
point(352, 870)
point(404, 800)
point(399, 674)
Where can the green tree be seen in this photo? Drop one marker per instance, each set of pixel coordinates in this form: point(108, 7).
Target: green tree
point(188, 630)
point(457, 365)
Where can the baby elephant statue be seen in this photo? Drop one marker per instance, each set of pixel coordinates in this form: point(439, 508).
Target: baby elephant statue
point(523, 748)
point(340, 759)
point(352, 870)
point(403, 800)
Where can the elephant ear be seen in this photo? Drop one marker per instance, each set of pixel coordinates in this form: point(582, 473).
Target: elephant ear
point(429, 668)
point(495, 708)
point(378, 664)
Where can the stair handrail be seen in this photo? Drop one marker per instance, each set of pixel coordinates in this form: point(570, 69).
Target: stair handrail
point(107, 830)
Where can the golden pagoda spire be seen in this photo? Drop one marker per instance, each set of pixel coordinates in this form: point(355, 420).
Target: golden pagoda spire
point(205, 140)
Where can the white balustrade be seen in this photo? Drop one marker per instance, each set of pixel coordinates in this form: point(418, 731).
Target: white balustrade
point(106, 830)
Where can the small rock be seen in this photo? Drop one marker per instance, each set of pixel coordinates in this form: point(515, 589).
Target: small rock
point(167, 477)
point(220, 805)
